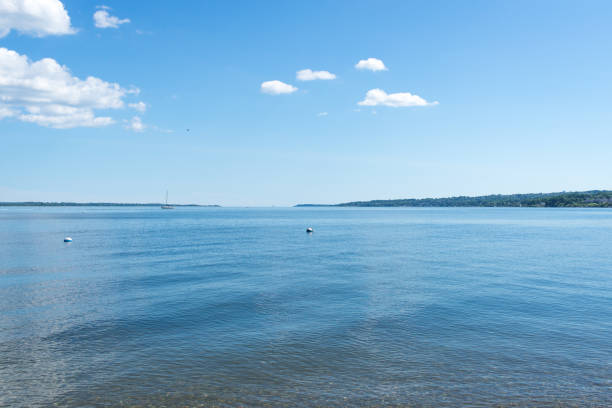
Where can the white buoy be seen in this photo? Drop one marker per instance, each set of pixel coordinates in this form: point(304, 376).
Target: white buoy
point(309, 230)
point(67, 239)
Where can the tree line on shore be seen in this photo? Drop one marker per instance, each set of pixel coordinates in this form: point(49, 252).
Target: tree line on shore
point(593, 198)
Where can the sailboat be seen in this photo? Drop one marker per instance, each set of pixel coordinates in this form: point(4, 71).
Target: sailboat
point(166, 206)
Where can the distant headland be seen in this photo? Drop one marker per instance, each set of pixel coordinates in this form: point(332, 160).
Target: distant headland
point(70, 204)
point(592, 198)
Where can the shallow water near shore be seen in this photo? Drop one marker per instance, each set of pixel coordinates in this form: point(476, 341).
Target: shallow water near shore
point(440, 307)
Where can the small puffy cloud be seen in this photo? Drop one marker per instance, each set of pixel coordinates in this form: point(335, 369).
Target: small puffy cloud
point(277, 88)
point(161, 130)
point(139, 106)
point(322, 114)
point(378, 97)
point(34, 17)
point(371, 64)
point(310, 75)
point(46, 93)
point(135, 124)
point(102, 19)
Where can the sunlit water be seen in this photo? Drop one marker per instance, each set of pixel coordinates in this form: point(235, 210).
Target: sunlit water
point(240, 307)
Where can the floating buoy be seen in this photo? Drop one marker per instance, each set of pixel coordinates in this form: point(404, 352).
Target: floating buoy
point(309, 230)
point(67, 239)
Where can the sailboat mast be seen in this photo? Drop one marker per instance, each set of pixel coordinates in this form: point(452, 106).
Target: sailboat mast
point(166, 197)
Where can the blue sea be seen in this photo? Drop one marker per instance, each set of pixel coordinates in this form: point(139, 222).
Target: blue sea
point(228, 307)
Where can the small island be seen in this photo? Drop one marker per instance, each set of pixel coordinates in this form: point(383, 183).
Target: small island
point(592, 198)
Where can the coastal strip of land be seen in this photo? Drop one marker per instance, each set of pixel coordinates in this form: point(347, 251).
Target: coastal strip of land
point(591, 198)
point(71, 204)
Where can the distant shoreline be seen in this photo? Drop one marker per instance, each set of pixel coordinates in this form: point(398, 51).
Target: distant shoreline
point(579, 199)
point(71, 204)
point(576, 199)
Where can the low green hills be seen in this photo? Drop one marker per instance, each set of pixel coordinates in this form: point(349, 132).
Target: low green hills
point(592, 198)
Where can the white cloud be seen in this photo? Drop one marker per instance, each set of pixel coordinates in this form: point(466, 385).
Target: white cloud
point(139, 106)
point(161, 130)
point(34, 17)
point(322, 114)
point(63, 117)
point(277, 88)
point(371, 64)
point(135, 124)
point(310, 75)
point(6, 112)
point(104, 20)
point(376, 97)
point(46, 93)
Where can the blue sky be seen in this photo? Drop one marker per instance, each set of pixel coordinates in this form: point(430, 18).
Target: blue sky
point(523, 91)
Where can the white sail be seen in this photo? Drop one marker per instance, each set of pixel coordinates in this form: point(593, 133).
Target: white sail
point(166, 206)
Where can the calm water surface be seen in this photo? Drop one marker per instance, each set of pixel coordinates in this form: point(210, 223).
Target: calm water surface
point(240, 307)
